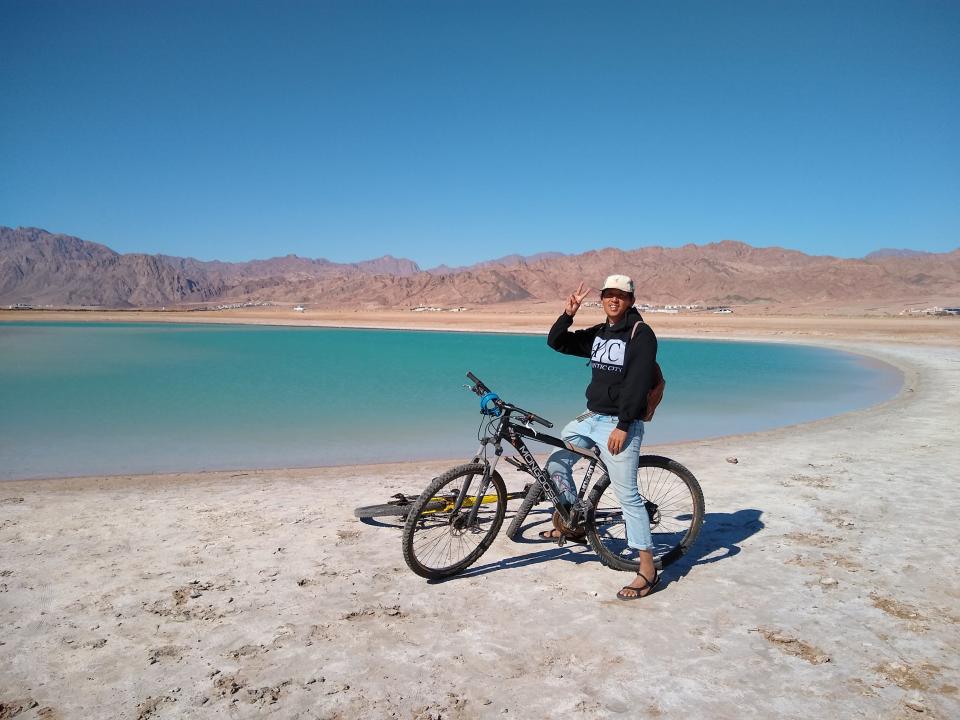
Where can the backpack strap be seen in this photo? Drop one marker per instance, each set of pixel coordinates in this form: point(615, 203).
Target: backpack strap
point(633, 332)
point(654, 394)
point(658, 373)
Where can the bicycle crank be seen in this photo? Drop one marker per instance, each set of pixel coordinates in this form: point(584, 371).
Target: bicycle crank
point(568, 531)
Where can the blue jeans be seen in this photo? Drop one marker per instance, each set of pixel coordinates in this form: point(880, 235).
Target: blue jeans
point(622, 468)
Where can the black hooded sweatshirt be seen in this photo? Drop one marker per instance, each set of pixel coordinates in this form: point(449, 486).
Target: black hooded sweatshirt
point(623, 368)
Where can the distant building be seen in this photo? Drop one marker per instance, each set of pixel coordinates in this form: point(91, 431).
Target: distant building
point(935, 310)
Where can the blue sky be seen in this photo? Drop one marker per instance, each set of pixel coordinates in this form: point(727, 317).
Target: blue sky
point(453, 132)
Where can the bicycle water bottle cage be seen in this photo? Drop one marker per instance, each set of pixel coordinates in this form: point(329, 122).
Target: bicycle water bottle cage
point(492, 408)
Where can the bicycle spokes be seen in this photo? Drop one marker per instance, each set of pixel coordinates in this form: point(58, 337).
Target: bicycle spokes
point(674, 507)
point(441, 539)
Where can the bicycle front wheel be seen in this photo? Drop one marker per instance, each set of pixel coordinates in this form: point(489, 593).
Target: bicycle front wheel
point(438, 542)
point(674, 504)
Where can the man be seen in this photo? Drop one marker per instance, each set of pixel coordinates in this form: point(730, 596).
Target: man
point(623, 353)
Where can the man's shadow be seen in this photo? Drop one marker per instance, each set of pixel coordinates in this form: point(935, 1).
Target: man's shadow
point(719, 539)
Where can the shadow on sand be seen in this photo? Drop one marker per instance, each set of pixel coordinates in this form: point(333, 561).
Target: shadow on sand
point(719, 539)
point(387, 522)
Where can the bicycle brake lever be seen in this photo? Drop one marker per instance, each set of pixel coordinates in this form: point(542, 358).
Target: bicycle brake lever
point(472, 388)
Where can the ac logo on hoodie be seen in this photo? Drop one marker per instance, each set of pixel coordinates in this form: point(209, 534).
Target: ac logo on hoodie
point(608, 354)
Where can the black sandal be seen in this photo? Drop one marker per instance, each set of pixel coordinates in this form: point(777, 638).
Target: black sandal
point(637, 590)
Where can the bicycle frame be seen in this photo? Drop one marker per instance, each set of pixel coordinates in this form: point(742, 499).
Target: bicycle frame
point(513, 433)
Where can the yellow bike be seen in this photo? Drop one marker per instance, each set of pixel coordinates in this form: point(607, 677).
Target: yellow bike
point(399, 505)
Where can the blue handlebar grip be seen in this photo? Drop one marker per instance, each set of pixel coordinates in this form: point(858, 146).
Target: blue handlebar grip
point(493, 409)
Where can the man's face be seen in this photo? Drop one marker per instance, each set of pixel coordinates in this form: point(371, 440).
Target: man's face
point(615, 303)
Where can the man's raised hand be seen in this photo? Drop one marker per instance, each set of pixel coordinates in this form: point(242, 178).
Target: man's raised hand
point(575, 299)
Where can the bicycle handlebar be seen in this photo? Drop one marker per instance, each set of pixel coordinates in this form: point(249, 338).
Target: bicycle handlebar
point(480, 389)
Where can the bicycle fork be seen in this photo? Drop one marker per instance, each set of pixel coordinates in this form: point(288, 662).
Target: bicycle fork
point(488, 470)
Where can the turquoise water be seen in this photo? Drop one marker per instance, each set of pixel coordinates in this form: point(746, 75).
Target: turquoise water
point(78, 399)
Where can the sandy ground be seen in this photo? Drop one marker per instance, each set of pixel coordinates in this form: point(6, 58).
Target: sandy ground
point(538, 317)
point(823, 584)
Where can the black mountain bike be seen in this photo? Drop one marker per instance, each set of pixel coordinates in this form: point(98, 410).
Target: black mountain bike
point(453, 522)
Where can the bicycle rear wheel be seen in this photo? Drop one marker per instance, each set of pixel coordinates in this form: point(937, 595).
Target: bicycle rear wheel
point(438, 542)
point(674, 503)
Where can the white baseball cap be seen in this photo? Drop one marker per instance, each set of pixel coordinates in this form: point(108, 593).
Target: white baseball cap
point(618, 282)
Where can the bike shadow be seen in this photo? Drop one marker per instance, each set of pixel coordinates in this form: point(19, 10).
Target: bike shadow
point(719, 539)
point(375, 522)
point(572, 551)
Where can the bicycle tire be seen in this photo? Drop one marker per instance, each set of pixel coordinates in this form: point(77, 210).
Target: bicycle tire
point(674, 525)
point(389, 509)
point(433, 540)
point(384, 510)
point(534, 495)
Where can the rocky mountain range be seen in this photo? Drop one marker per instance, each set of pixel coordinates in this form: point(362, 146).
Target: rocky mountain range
point(894, 252)
point(45, 269)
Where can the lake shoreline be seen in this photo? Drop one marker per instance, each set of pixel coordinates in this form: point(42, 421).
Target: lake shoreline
point(908, 374)
point(677, 430)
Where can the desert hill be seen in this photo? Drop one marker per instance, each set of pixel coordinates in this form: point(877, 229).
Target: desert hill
point(41, 268)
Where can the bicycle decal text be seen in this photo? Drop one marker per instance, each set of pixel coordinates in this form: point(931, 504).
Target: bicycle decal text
point(586, 479)
point(535, 469)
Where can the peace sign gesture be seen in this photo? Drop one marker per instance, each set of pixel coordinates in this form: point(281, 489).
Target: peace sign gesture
point(576, 297)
